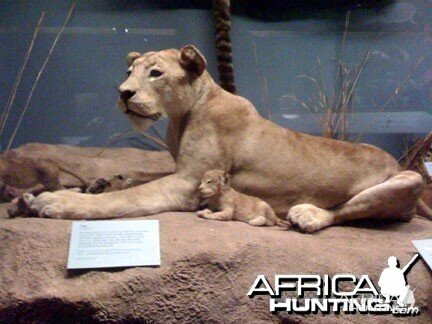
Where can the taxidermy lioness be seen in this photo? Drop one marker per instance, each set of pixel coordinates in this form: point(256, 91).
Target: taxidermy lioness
point(210, 128)
point(227, 204)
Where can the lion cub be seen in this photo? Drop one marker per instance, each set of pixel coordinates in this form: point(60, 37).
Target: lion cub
point(229, 204)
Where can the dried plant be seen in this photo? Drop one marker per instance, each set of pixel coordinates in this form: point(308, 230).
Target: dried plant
point(11, 99)
point(24, 111)
point(156, 139)
point(335, 108)
point(264, 81)
point(414, 156)
point(162, 141)
point(111, 140)
point(397, 90)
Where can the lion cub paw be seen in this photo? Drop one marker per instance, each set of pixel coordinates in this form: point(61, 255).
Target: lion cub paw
point(204, 212)
point(259, 221)
point(309, 218)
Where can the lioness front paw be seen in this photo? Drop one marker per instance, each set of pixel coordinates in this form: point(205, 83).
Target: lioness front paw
point(309, 218)
point(63, 204)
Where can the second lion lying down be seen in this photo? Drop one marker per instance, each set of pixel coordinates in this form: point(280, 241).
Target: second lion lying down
point(227, 204)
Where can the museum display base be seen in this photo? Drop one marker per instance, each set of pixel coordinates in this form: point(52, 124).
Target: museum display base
point(207, 267)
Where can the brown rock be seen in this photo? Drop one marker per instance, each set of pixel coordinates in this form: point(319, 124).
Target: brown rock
point(207, 269)
point(207, 266)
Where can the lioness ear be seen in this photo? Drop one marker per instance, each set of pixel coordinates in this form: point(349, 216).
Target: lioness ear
point(192, 60)
point(131, 57)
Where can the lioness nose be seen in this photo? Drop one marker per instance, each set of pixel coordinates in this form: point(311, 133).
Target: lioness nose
point(127, 94)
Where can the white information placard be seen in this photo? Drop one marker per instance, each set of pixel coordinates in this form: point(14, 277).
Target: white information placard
point(425, 249)
point(428, 166)
point(105, 244)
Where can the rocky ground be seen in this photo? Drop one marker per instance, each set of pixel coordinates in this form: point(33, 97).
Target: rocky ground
point(207, 266)
point(207, 269)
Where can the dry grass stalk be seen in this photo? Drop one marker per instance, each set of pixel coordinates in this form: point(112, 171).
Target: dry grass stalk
point(266, 98)
point(335, 109)
point(112, 139)
point(334, 120)
point(71, 10)
point(264, 80)
point(341, 51)
point(156, 139)
point(159, 135)
point(395, 92)
point(416, 152)
point(11, 99)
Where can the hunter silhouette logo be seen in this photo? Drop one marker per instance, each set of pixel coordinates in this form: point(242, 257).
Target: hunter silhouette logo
point(393, 282)
point(324, 294)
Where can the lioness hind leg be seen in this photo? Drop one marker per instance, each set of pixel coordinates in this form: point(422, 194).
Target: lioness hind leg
point(395, 199)
point(258, 221)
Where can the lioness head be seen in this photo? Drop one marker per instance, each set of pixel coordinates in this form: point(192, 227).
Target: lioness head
point(213, 182)
point(160, 83)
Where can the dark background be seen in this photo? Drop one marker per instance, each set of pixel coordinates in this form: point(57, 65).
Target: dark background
point(273, 42)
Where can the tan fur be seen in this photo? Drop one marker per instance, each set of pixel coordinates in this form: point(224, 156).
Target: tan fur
point(123, 181)
point(21, 174)
point(227, 204)
point(315, 181)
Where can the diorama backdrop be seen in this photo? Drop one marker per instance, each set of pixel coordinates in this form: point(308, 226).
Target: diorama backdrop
point(279, 50)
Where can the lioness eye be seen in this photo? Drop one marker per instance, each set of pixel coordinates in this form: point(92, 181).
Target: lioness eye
point(155, 73)
point(128, 73)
